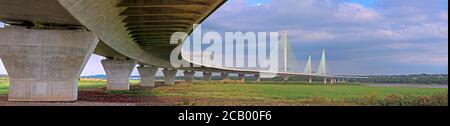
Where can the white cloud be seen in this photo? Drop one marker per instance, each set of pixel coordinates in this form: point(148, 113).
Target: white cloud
point(418, 32)
point(422, 59)
point(356, 12)
point(311, 36)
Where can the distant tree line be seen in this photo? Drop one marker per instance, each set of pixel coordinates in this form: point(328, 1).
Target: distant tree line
point(401, 79)
point(409, 79)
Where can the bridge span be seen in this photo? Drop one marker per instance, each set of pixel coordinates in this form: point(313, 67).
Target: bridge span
point(48, 42)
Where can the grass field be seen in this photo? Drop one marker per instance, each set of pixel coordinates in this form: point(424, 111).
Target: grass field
point(284, 94)
point(3, 86)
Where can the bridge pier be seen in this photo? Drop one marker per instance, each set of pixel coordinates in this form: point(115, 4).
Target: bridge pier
point(189, 76)
point(241, 78)
point(207, 76)
point(325, 81)
point(310, 79)
point(285, 78)
point(333, 81)
point(225, 77)
point(118, 73)
point(258, 77)
point(147, 74)
point(169, 76)
point(44, 65)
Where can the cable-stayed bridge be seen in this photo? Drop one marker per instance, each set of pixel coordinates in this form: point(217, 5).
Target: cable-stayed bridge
point(289, 66)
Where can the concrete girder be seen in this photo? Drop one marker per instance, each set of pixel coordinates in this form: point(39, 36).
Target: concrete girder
point(156, 27)
point(17, 11)
point(163, 3)
point(102, 17)
point(170, 16)
point(142, 24)
point(144, 38)
point(104, 50)
point(143, 11)
point(156, 18)
point(159, 21)
point(155, 32)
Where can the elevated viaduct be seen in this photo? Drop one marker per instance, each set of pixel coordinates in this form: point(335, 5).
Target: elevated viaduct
point(48, 42)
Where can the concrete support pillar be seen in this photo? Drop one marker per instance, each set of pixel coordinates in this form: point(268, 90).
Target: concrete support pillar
point(189, 76)
point(225, 76)
point(118, 73)
point(241, 78)
point(310, 79)
point(169, 76)
point(207, 76)
point(257, 77)
point(333, 81)
point(285, 78)
point(147, 74)
point(325, 81)
point(338, 80)
point(44, 65)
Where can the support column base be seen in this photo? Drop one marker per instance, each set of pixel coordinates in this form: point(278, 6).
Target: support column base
point(33, 90)
point(118, 72)
point(44, 65)
point(189, 76)
point(169, 76)
point(241, 78)
point(147, 74)
point(207, 76)
point(225, 78)
point(258, 78)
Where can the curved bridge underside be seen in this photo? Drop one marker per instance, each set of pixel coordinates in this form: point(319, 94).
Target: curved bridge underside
point(128, 29)
point(140, 29)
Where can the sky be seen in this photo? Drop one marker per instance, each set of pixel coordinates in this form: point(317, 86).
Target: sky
point(360, 36)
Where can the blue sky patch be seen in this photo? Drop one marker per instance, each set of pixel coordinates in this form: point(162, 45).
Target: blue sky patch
point(257, 2)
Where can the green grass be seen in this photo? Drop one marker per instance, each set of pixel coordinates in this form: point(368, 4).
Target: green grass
point(271, 91)
point(86, 85)
point(83, 85)
point(4, 86)
point(288, 92)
